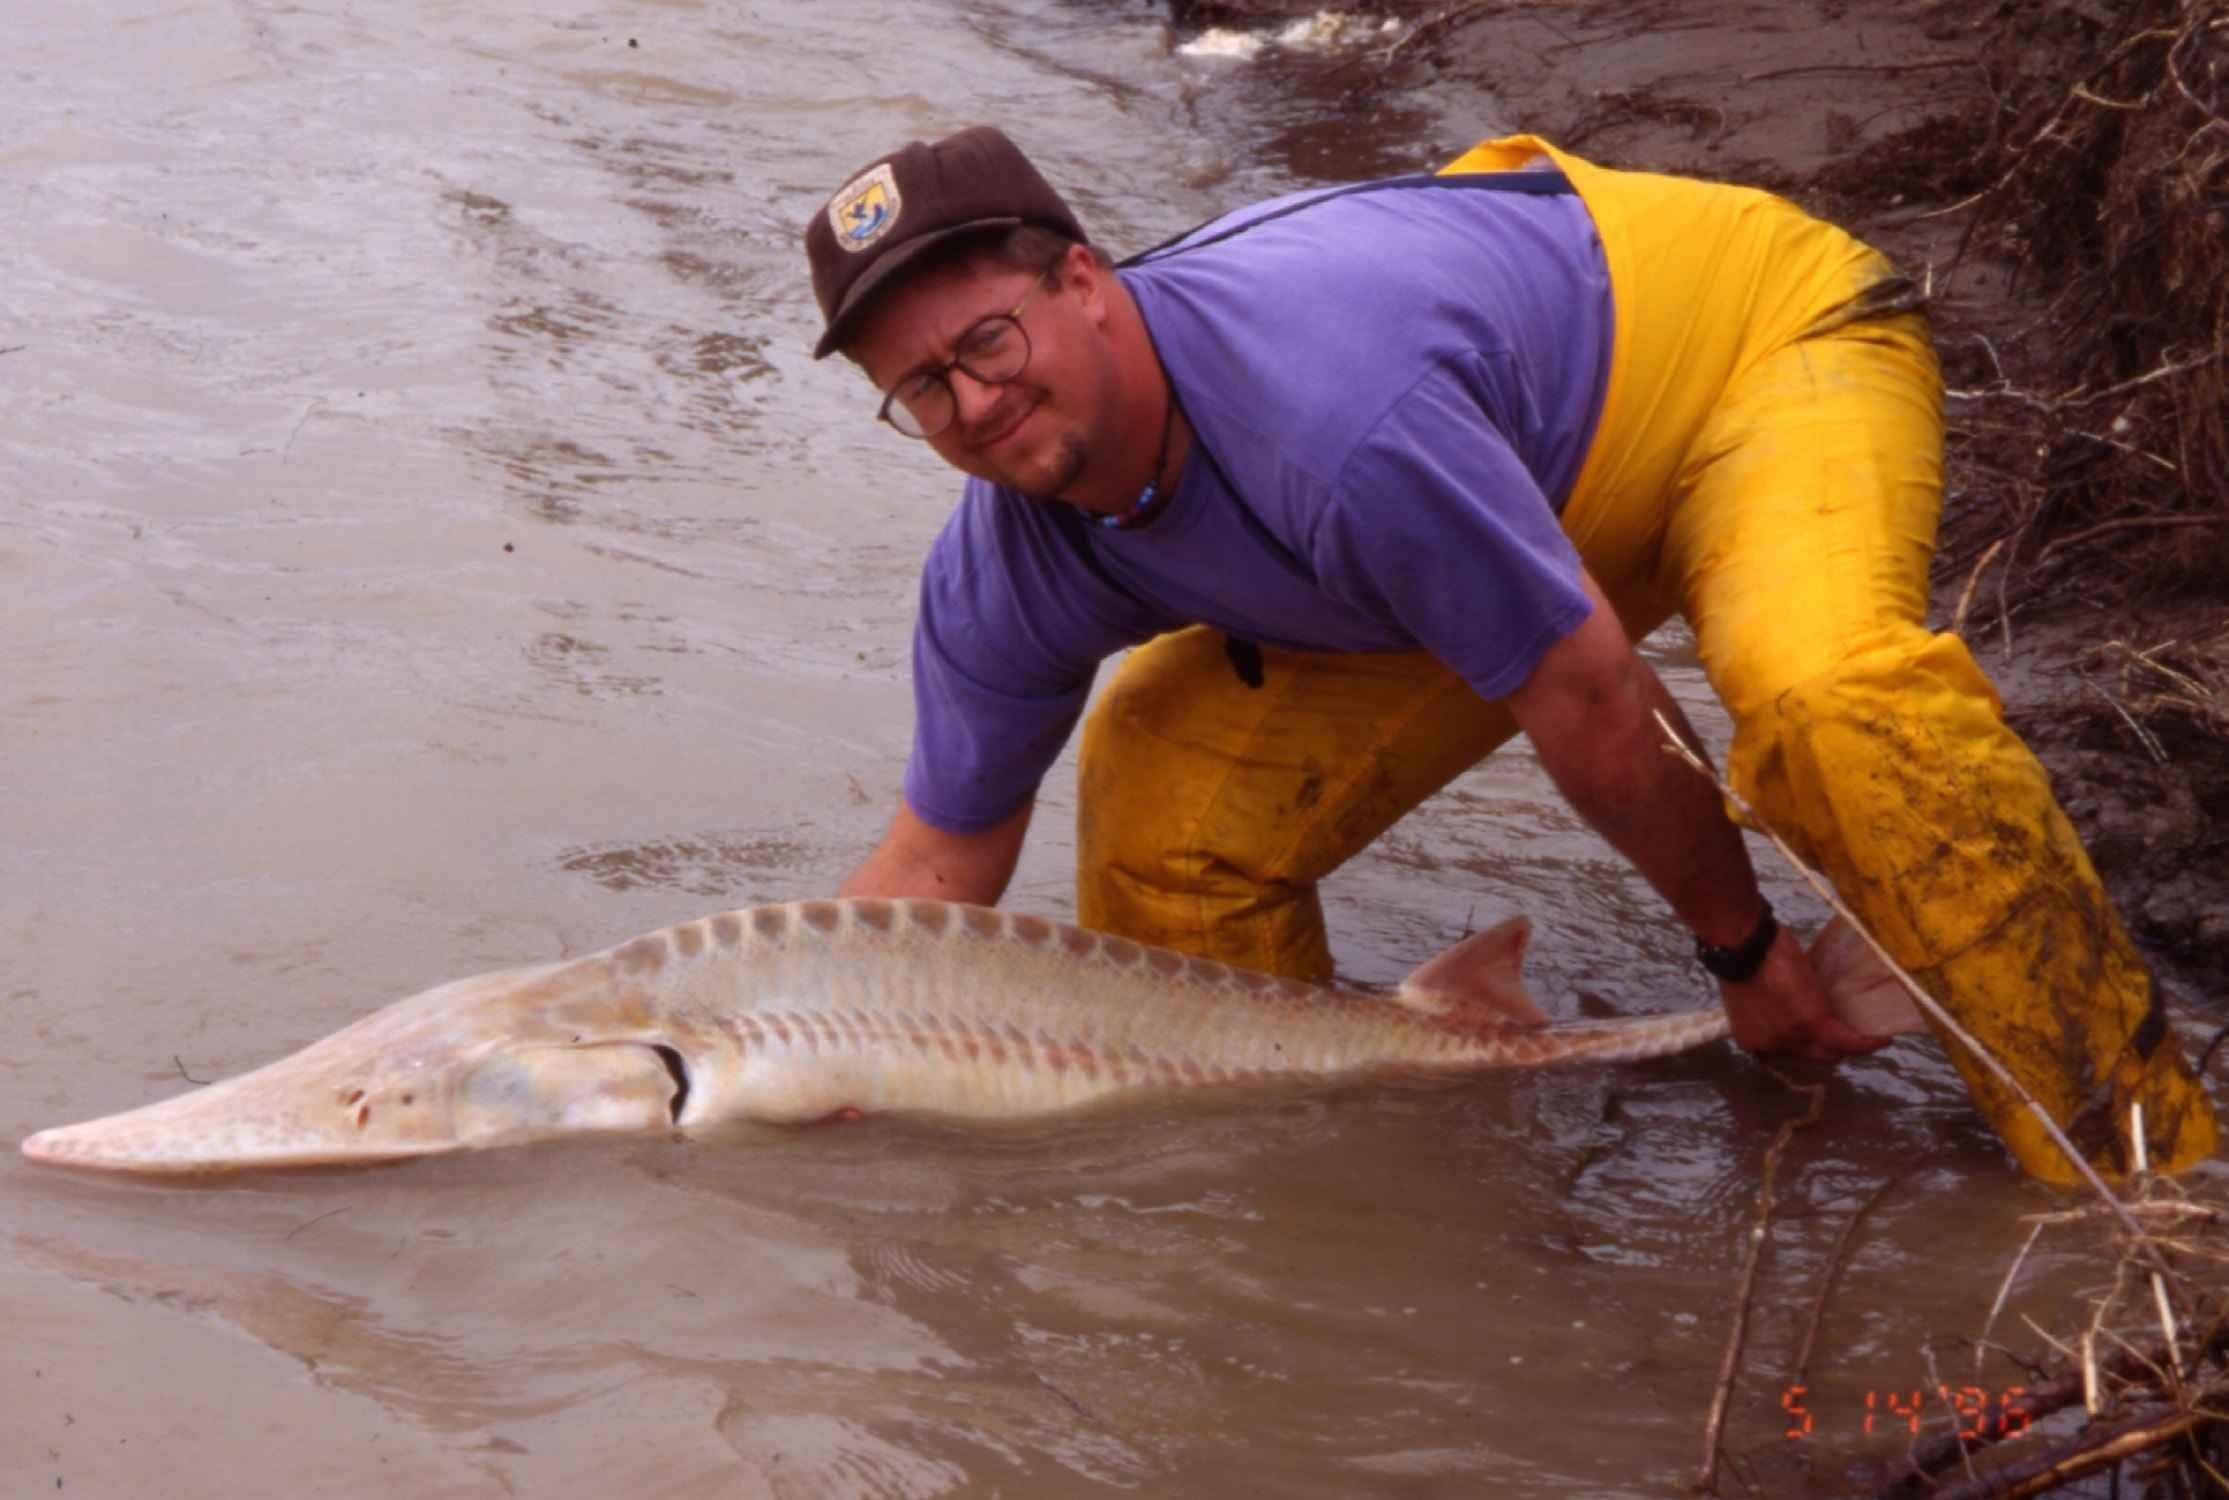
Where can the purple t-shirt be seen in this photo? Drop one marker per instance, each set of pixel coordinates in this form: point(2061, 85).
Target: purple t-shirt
point(1399, 383)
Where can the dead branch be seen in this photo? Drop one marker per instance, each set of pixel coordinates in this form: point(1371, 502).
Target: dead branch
point(1800, 1372)
point(2088, 1454)
point(1911, 1476)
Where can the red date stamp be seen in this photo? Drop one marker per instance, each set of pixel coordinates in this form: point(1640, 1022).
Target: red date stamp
point(1980, 1415)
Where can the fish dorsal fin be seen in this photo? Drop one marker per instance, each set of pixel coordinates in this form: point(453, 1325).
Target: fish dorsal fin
point(1859, 986)
point(1480, 980)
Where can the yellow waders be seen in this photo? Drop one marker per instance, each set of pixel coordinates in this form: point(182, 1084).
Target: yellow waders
point(1768, 464)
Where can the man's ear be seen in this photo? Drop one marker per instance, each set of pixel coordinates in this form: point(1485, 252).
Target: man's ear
point(1082, 272)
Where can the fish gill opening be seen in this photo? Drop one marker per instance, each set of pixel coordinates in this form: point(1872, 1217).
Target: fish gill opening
point(678, 1069)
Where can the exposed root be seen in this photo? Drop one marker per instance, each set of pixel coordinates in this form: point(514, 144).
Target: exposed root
point(2102, 161)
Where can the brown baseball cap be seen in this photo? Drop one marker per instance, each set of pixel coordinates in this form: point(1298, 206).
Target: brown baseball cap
point(920, 195)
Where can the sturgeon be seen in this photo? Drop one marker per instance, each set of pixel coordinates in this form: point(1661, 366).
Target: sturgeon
point(831, 1009)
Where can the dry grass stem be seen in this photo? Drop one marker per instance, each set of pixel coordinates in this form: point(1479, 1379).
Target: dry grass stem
point(2159, 1279)
point(2004, 1290)
point(2144, 736)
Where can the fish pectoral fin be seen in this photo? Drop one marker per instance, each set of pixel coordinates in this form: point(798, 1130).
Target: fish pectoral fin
point(1479, 981)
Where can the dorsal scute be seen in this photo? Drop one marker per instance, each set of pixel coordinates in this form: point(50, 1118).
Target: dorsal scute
point(869, 917)
point(918, 918)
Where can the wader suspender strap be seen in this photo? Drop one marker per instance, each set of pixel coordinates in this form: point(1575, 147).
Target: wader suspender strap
point(1246, 655)
point(1544, 182)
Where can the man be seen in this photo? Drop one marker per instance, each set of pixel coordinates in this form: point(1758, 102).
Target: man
point(1377, 477)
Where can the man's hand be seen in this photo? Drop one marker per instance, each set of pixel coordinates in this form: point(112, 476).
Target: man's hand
point(919, 859)
point(1590, 710)
point(1782, 1009)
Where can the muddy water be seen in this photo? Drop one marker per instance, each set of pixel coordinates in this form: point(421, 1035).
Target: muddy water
point(427, 546)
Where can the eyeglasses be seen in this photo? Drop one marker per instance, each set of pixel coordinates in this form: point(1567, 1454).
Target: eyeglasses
point(993, 351)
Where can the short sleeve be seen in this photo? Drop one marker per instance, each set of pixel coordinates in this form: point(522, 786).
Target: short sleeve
point(1011, 630)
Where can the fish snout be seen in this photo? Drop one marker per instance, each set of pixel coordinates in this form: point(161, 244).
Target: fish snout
point(300, 1112)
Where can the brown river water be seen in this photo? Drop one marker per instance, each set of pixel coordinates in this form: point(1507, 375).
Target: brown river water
point(427, 546)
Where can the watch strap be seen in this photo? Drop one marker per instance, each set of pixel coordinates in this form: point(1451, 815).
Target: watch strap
point(1739, 964)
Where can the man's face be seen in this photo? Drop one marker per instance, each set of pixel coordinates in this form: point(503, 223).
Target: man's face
point(1034, 433)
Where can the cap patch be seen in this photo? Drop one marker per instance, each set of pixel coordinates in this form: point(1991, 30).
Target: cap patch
point(866, 209)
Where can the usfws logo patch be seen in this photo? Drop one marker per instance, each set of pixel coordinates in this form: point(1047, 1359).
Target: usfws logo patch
point(864, 211)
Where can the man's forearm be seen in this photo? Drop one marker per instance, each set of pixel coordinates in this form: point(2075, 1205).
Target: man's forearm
point(1665, 819)
point(1589, 710)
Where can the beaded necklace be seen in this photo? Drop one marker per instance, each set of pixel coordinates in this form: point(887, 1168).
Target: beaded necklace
point(1152, 497)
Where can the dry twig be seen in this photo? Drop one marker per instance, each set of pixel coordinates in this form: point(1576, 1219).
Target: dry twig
point(1730, 1362)
point(1966, 594)
point(1800, 1372)
point(2147, 1430)
point(1916, 65)
point(2004, 1290)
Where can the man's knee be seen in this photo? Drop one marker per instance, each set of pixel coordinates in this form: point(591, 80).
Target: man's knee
point(1892, 769)
point(1142, 761)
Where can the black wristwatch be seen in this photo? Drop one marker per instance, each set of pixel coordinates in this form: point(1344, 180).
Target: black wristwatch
point(1740, 964)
